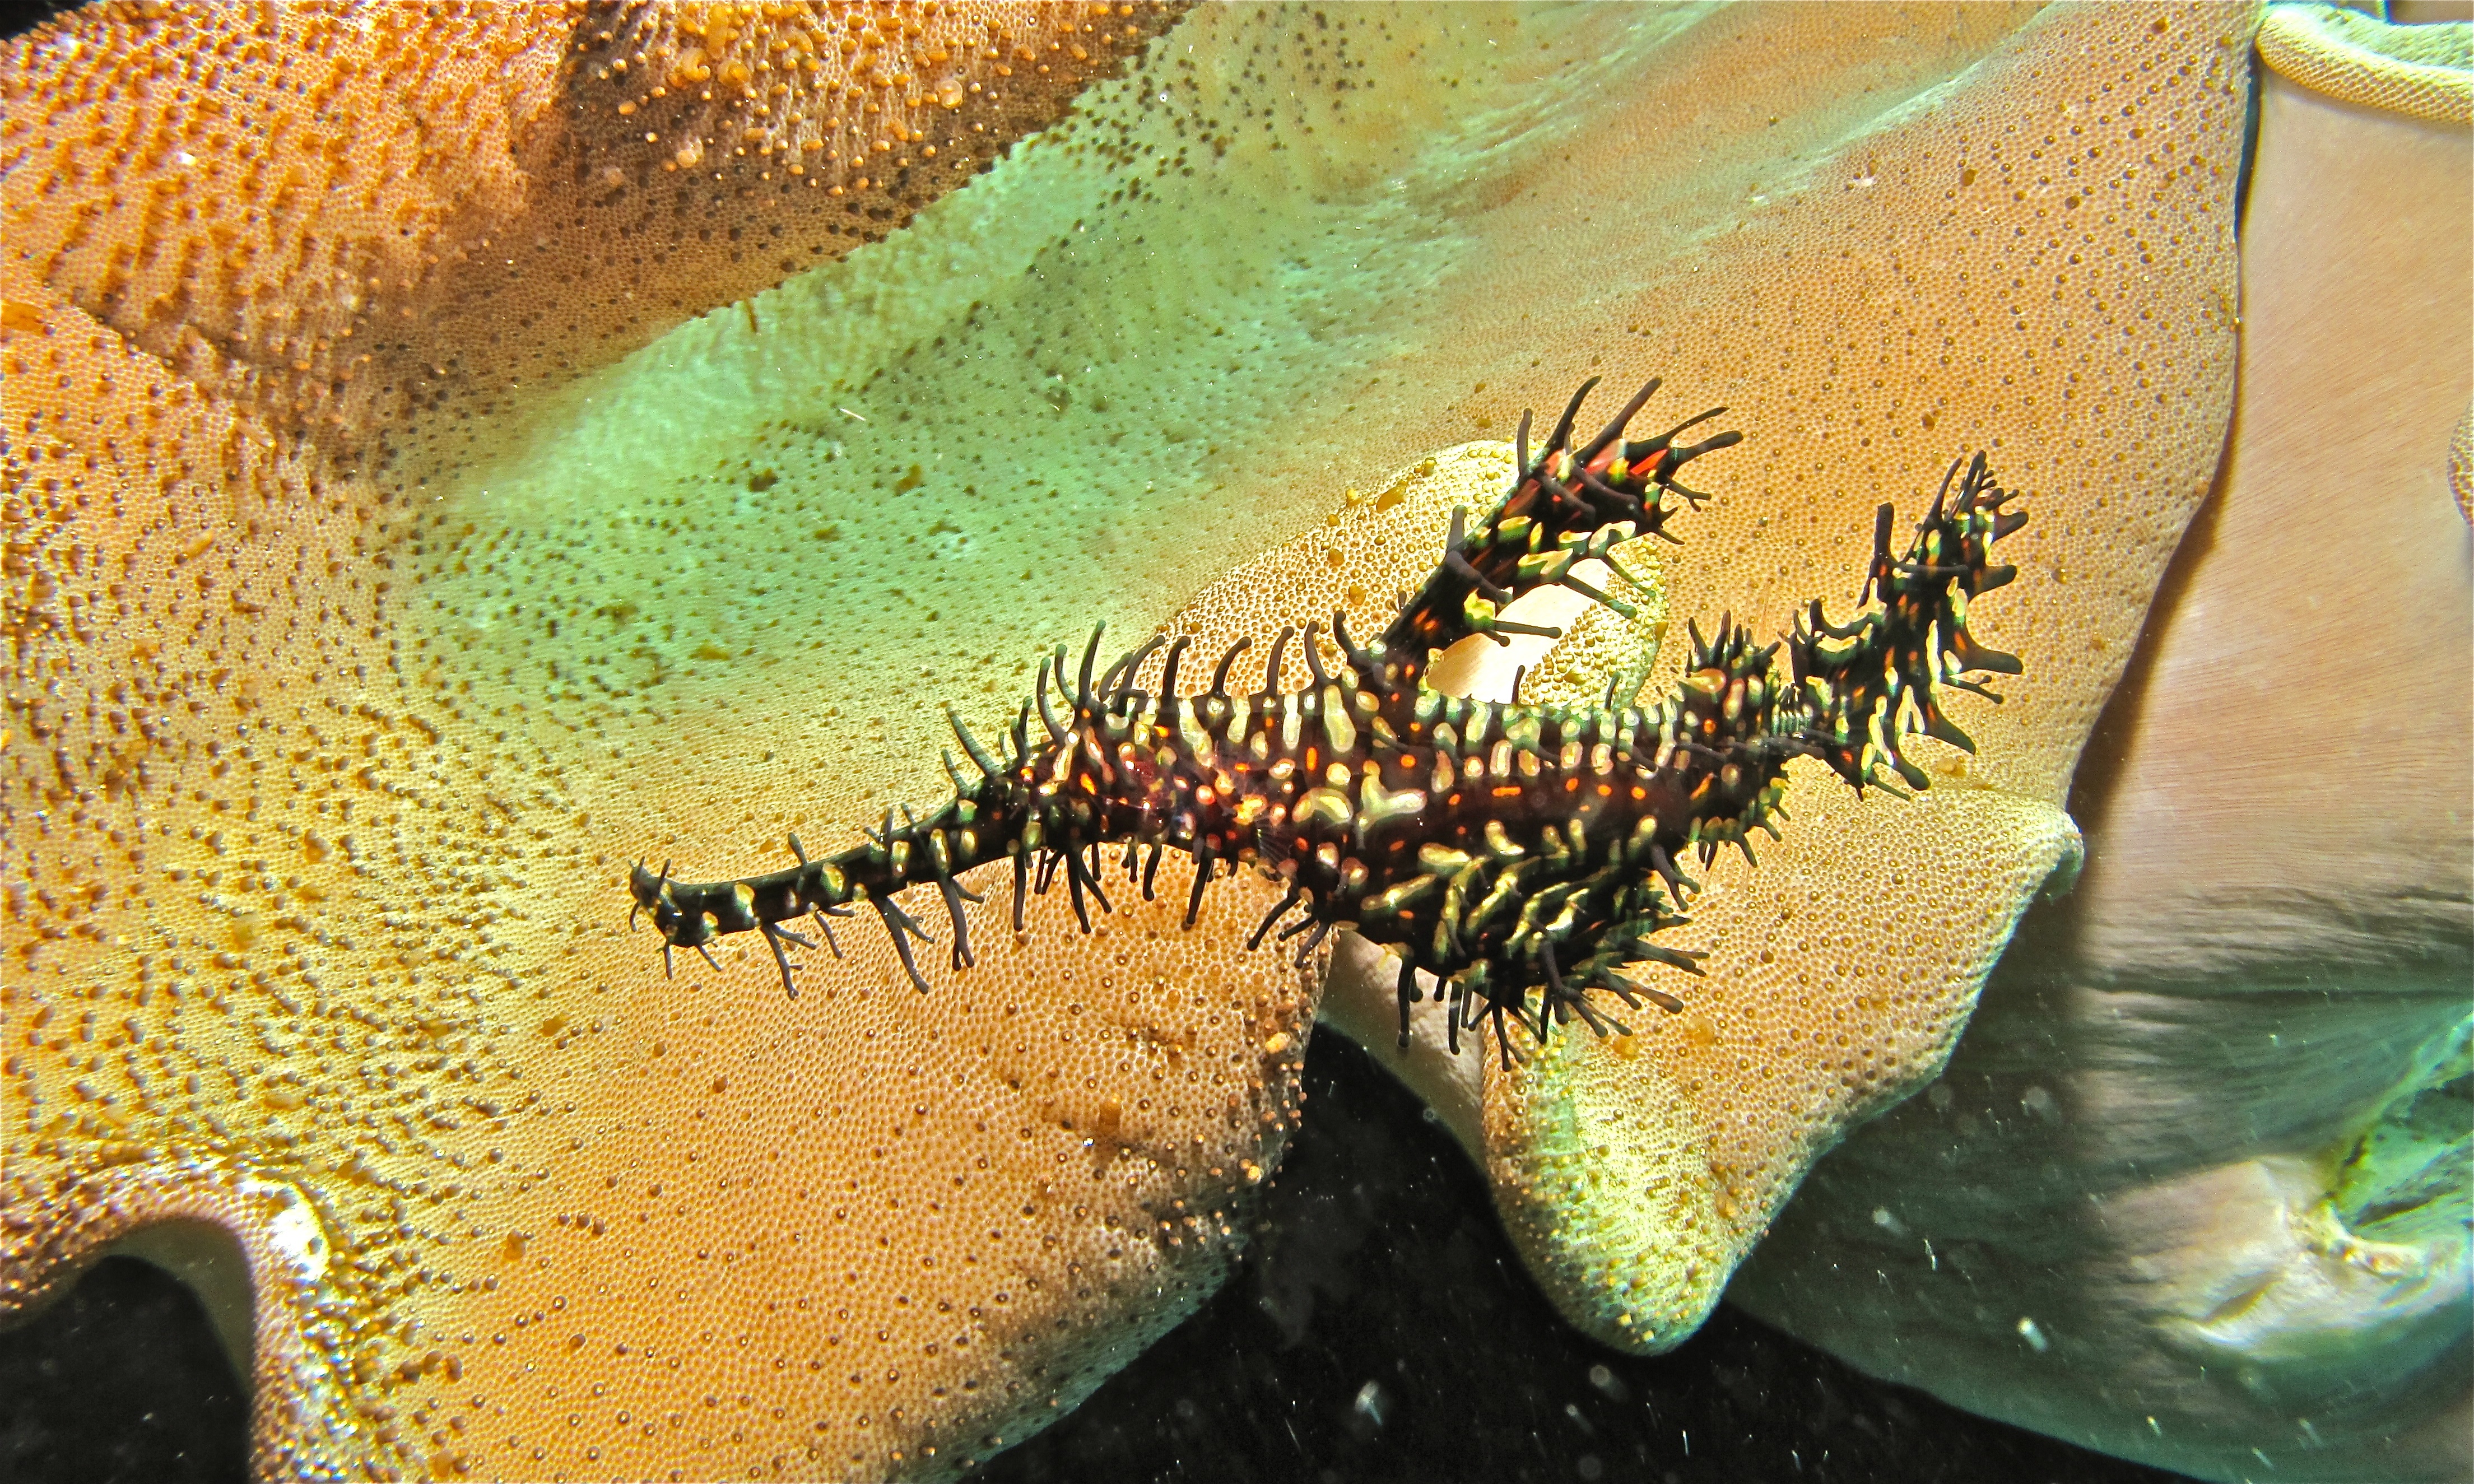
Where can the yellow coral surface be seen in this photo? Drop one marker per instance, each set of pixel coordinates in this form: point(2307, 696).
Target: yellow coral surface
point(338, 703)
point(2033, 254)
point(2193, 1137)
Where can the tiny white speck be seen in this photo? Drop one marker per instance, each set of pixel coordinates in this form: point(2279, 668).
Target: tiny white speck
point(293, 1230)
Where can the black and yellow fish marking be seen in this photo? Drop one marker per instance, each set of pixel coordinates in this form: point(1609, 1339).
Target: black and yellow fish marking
point(1504, 850)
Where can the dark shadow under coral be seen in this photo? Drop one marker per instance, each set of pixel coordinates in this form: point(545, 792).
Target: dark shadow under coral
point(121, 1382)
point(1381, 1328)
point(1384, 1328)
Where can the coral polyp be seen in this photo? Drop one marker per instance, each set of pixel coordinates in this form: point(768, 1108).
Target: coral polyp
point(1523, 857)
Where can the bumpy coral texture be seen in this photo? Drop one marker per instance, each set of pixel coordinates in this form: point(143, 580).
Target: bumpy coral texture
point(2423, 72)
point(338, 217)
point(276, 959)
point(2036, 256)
point(330, 743)
point(2193, 1135)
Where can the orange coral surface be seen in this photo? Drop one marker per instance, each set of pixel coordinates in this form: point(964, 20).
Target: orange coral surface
point(274, 959)
point(331, 728)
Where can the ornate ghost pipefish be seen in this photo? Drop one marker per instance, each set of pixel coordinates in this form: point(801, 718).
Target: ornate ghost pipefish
point(1502, 849)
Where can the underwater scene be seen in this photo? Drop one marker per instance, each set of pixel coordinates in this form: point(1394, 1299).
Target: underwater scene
point(964, 740)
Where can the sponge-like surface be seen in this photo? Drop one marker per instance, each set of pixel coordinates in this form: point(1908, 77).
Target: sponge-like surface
point(330, 740)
